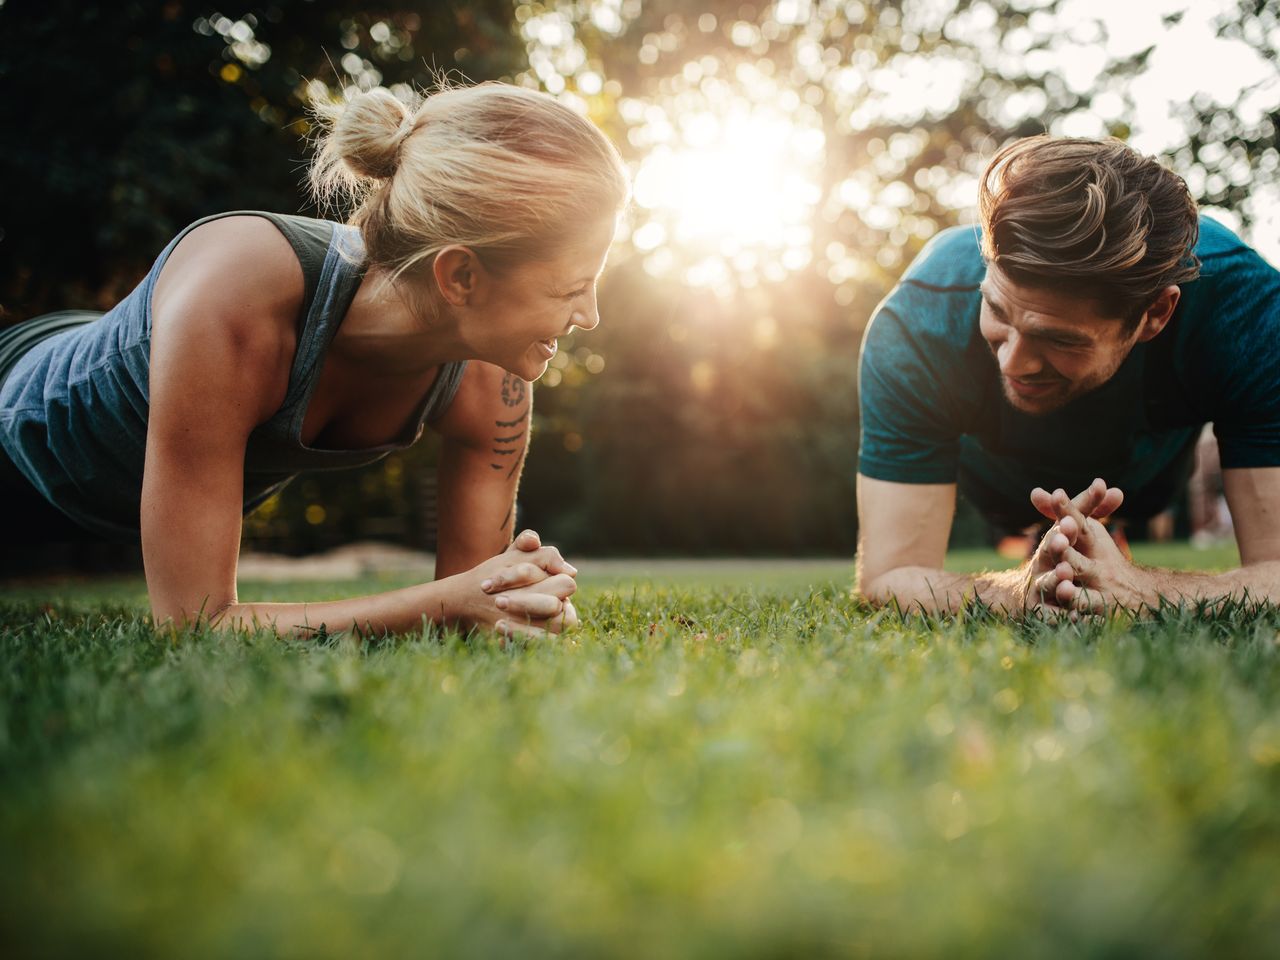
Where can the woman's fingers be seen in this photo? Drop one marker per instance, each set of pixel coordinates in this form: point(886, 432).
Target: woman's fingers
point(532, 567)
point(564, 621)
point(527, 540)
point(540, 600)
point(550, 560)
point(517, 575)
point(514, 628)
point(528, 605)
point(537, 566)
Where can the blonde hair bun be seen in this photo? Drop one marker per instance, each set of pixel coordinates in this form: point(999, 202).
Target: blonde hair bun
point(367, 133)
point(510, 172)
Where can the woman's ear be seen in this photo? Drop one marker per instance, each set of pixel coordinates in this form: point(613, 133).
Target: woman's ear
point(458, 274)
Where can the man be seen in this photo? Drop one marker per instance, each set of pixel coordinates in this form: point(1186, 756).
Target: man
point(1089, 328)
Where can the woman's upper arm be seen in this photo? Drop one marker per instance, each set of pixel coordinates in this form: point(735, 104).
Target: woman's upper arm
point(223, 336)
point(490, 408)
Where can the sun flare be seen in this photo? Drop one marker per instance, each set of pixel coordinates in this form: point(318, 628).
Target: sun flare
point(728, 192)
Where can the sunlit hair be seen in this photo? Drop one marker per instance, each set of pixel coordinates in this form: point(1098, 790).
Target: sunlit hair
point(511, 173)
point(1093, 218)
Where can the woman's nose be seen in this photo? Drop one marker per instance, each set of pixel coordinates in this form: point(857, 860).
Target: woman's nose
point(587, 318)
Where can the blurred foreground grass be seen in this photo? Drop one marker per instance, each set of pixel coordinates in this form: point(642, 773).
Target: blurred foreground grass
point(724, 764)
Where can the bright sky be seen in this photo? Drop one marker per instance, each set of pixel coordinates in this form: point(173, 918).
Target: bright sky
point(732, 154)
point(1188, 60)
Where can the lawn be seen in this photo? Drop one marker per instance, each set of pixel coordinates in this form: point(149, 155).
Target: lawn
point(728, 759)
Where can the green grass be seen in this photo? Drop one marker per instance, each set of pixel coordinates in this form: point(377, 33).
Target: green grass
point(717, 764)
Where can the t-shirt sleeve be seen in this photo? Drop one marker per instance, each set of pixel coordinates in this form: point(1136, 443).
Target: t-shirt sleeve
point(908, 434)
point(1240, 361)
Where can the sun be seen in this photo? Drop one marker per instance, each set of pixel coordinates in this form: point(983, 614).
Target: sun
point(727, 190)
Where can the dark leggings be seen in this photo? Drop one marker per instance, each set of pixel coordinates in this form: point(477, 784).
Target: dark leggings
point(41, 539)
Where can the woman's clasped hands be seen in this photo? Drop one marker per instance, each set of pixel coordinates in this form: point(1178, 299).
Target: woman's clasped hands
point(523, 591)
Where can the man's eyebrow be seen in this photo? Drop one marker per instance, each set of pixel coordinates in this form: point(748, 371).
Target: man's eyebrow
point(993, 303)
point(1061, 336)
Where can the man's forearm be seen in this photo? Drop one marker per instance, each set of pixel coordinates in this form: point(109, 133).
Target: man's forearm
point(1258, 581)
point(929, 590)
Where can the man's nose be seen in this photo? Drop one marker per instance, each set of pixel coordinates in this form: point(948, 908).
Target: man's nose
point(1018, 358)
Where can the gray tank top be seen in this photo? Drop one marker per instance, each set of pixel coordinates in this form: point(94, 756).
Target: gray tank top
point(74, 402)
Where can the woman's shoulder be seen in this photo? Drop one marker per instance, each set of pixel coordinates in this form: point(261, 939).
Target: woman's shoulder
point(237, 267)
point(231, 288)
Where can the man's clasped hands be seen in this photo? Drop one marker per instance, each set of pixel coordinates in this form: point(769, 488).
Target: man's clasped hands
point(1078, 568)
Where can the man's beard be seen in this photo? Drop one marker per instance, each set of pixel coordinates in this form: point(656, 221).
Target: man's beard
point(1052, 400)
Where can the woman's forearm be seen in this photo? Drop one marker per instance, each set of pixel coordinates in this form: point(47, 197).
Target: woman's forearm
point(392, 612)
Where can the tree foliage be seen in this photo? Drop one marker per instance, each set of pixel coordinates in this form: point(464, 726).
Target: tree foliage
point(715, 407)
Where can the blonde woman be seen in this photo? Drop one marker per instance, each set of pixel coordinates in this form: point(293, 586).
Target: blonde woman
point(260, 346)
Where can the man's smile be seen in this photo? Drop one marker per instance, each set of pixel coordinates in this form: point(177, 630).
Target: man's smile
point(1032, 389)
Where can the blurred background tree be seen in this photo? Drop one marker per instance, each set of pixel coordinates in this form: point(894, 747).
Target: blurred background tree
point(791, 157)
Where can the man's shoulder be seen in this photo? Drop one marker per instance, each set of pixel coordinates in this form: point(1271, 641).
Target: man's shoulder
point(935, 304)
point(1217, 241)
point(951, 262)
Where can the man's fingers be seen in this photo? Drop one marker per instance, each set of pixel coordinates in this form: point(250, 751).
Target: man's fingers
point(1109, 504)
point(1089, 601)
point(1085, 570)
point(1044, 587)
point(1042, 500)
point(1088, 499)
point(1069, 510)
point(1096, 500)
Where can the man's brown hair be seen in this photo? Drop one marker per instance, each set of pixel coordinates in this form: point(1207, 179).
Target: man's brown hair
point(1088, 217)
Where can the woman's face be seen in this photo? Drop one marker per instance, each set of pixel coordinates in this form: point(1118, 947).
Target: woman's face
point(522, 311)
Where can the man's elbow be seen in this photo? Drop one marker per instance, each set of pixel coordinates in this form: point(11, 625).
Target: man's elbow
point(875, 589)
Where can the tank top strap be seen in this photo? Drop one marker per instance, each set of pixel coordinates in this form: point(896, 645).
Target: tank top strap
point(337, 283)
point(310, 239)
point(443, 390)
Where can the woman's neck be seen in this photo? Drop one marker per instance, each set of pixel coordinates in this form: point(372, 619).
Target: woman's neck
point(394, 333)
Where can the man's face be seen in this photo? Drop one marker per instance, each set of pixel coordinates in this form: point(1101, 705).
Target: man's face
point(1050, 347)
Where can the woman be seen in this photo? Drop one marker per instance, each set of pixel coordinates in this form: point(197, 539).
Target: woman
point(262, 345)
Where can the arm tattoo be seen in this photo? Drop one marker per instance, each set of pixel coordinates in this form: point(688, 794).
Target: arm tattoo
point(514, 390)
point(507, 521)
point(514, 393)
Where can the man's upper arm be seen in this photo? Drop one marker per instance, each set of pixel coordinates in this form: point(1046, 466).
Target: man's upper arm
point(902, 525)
point(1231, 354)
point(1253, 494)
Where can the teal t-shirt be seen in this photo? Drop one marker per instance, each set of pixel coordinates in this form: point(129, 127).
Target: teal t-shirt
point(932, 410)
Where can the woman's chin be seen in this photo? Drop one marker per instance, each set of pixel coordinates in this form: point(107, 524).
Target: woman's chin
point(534, 366)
